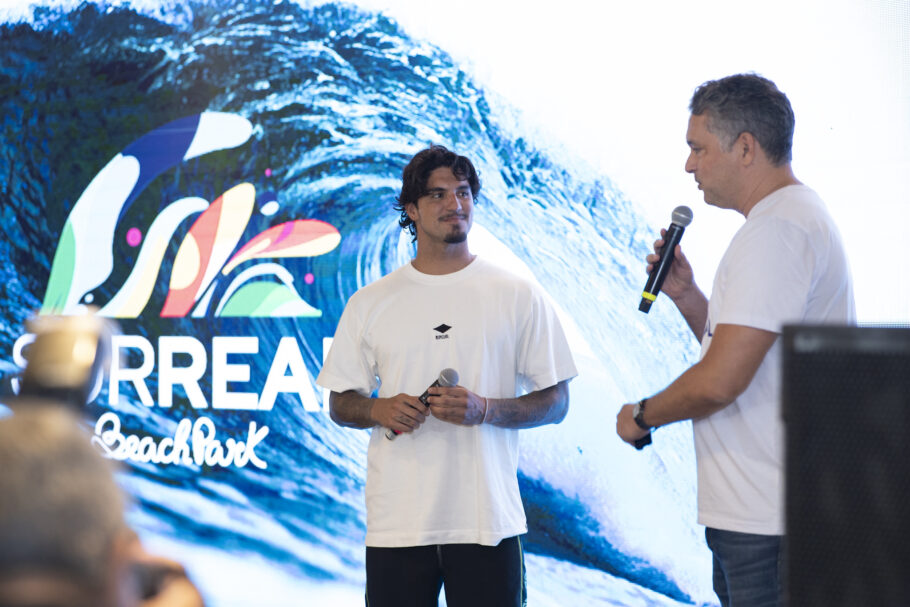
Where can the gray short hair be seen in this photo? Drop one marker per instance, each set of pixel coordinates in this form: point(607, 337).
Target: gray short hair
point(747, 103)
point(61, 510)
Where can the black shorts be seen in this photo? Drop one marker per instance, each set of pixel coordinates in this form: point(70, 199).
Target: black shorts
point(473, 575)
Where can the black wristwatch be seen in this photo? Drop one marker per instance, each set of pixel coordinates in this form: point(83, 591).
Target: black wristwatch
point(638, 413)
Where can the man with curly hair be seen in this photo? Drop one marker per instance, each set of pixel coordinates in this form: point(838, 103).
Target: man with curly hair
point(443, 506)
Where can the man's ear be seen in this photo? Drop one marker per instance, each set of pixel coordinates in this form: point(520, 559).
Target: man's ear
point(746, 147)
point(411, 210)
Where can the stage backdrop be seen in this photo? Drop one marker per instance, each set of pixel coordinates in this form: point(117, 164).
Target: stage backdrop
point(219, 178)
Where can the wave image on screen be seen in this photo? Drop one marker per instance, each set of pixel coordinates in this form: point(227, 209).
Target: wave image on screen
point(220, 178)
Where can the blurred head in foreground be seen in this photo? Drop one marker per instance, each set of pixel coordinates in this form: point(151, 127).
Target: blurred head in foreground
point(62, 531)
point(63, 538)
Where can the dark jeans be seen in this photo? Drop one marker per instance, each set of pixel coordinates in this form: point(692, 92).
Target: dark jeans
point(473, 575)
point(748, 568)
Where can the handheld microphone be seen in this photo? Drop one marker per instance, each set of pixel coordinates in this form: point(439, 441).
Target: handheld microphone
point(447, 378)
point(681, 217)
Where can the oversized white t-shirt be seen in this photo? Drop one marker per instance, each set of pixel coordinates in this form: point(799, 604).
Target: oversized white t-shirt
point(445, 483)
point(785, 265)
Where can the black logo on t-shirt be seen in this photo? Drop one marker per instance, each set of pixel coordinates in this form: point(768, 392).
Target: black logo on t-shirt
point(442, 329)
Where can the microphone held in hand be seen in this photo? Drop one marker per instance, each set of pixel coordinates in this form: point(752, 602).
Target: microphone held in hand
point(447, 378)
point(681, 217)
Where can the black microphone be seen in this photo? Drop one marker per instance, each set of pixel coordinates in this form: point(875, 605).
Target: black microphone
point(681, 217)
point(447, 378)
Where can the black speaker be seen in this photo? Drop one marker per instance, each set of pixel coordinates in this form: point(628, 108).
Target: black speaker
point(846, 409)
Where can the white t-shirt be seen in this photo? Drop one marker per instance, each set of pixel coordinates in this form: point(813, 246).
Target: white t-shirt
point(786, 264)
point(445, 483)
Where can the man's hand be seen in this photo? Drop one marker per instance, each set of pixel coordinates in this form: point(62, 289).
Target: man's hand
point(680, 278)
point(457, 405)
point(174, 588)
point(680, 287)
point(402, 412)
point(626, 427)
point(158, 581)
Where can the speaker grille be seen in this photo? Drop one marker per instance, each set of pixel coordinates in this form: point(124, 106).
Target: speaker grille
point(846, 407)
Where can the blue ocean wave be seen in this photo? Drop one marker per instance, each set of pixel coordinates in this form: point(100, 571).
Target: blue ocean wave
point(339, 99)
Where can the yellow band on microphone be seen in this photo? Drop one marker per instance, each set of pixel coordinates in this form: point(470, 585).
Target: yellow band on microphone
point(648, 296)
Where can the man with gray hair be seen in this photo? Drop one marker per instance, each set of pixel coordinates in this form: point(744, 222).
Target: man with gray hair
point(63, 538)
point(786, 264)
point(61, 513)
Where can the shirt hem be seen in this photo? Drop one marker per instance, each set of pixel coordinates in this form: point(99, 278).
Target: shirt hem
point(393, 540)
point(758, 528)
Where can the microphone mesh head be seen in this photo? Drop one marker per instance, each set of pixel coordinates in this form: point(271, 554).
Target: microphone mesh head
point(682, 215)
point(448, 378)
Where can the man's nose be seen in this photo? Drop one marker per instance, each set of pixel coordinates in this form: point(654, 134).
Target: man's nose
point(690, 163)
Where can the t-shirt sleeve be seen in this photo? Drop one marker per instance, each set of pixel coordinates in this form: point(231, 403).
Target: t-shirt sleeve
point(349, 364)
point(544, 356)
point(768, 282)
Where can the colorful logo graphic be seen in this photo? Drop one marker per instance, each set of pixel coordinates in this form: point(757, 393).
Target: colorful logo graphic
point(209, 252)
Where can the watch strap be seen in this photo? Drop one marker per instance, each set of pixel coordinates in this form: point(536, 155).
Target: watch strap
point(640, 415)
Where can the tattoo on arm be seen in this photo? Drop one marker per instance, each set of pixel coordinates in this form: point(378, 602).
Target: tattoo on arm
point(351, 409)
point(538, 408)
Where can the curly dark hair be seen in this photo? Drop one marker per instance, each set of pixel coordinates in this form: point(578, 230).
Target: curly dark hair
point(416, 174)
point(747, 103)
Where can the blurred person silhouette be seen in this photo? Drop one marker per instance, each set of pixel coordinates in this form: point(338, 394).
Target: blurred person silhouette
point(64, 540)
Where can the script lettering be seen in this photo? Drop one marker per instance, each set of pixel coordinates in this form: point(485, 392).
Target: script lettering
point(193, 442)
